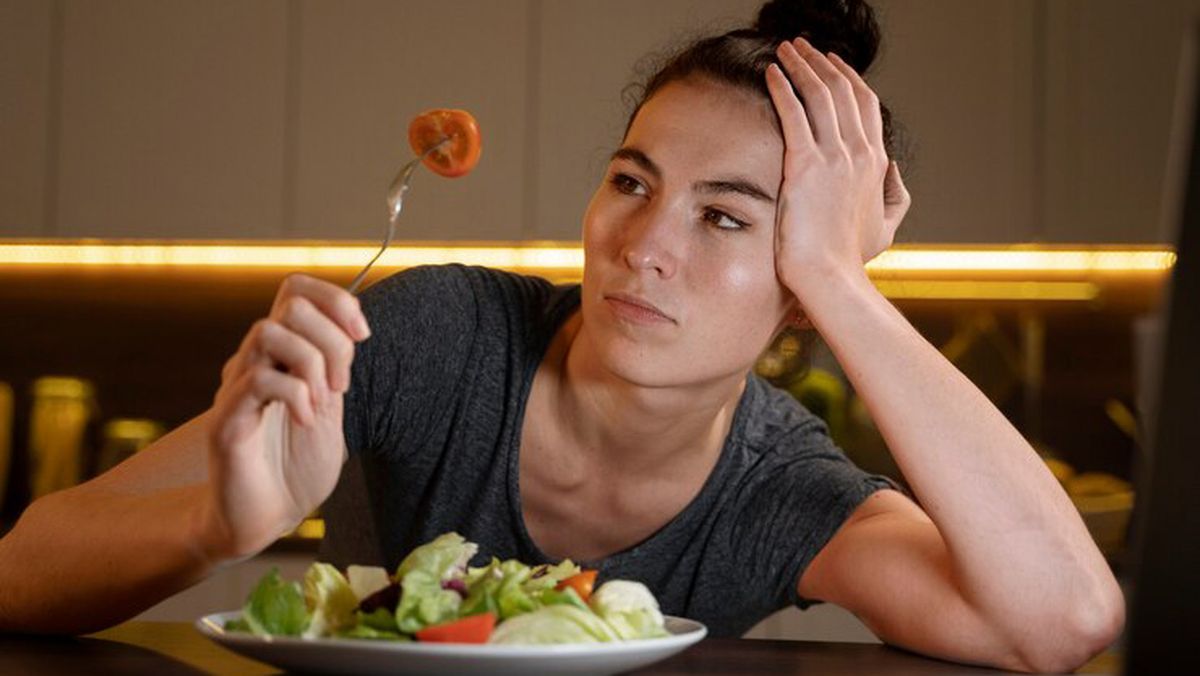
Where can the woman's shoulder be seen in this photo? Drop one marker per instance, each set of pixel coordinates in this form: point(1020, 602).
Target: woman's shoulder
point(772, 421)
point(444, 287)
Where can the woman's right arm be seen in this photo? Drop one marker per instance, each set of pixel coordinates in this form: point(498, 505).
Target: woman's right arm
point(216, 490)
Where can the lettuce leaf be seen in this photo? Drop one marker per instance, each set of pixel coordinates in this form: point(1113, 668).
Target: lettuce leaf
point(329, 599)
point(423, 602)
point(363, 631)
point(445, 557)
point(548, 576)
point(275, 607)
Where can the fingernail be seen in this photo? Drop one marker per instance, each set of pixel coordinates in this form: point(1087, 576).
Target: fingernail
point(364, 331)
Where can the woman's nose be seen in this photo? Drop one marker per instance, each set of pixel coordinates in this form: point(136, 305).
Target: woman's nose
point(651, 243)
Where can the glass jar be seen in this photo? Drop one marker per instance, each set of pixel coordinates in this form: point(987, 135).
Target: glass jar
point(123, 437)
point(58, 425)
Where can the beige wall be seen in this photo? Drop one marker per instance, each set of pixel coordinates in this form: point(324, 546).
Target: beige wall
point(1029, 119)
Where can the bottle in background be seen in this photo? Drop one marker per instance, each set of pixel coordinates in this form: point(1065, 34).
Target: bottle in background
point(6, 435)
point(58, 424)
point(123, 437)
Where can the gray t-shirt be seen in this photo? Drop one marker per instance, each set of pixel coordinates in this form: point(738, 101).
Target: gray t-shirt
point(433, 424)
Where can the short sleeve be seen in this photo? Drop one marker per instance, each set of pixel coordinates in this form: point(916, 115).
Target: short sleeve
point(422, 321)
point(791, 503)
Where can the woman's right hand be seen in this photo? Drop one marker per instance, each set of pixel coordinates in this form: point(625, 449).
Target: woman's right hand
point(276, 444)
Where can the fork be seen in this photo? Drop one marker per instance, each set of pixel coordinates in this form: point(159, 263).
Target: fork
point(395, 202)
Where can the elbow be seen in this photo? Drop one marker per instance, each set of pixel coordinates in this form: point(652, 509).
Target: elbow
point(1076, 636)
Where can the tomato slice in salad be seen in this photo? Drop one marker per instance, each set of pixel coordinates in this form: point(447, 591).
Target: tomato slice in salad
point(460, 153)
point(581, 582)
point(470, 629)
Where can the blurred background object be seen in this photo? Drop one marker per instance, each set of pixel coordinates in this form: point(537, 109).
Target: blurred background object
point(122, 438)
point(6, 436)
point(62, 409)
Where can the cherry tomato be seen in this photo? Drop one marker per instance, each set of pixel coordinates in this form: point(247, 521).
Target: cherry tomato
point(470, 629)
point(581, 582)
point(457, 156)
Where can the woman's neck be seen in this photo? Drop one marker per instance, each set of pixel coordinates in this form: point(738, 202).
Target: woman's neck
point(622, 424)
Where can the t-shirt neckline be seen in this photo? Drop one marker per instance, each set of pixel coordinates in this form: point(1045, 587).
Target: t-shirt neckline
point(562, 309)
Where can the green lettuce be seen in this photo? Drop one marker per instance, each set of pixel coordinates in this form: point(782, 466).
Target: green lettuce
point(329, 599)
point(363, 631)
point(502, 588)
point(275, 607)
point(548, 576)
point(423, 602)
point(568, 596)
point(445, 557)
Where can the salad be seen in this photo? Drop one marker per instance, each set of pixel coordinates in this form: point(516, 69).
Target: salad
point(435, 597)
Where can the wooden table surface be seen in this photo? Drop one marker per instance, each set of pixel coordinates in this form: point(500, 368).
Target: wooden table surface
point(177, 648)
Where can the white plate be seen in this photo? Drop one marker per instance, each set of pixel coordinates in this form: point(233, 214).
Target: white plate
point(339, 655)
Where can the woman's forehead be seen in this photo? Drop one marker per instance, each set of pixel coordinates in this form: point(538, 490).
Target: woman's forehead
point(698, 125)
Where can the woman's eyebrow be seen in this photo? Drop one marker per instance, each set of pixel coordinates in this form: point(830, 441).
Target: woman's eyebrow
point(737, 185)
point(740, 186)
point(639, 158)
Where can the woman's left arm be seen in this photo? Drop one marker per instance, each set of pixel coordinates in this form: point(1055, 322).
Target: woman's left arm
point(998, 568)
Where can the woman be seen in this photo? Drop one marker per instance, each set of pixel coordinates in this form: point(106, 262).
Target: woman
point(617, 423)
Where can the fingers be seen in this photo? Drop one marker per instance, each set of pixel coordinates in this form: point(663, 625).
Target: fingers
point(326, 315)
point(840, 105)
point(299, 354)
point(818, 99)
point(337, 303)
point(868, 102)
point(332, 347)
point(797, 134)
point(252, 391)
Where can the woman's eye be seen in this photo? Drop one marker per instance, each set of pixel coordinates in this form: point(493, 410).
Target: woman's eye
point(722, 220)
point(627, 184)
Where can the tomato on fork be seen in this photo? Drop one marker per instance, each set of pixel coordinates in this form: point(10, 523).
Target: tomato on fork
point(460, 153)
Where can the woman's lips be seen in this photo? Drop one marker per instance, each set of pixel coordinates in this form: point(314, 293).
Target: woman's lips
point(636, 310)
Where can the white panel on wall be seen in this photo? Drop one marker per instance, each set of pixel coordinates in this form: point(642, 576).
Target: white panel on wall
point(1111, 75)
point(171, 119)
point(587, 56)
point(959, 77)
point(25, 58)
point(366, 68)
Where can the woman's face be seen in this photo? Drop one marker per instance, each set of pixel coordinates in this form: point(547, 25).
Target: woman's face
point(679, 284)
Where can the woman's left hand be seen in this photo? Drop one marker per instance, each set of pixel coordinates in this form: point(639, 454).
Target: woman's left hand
point(841, 199)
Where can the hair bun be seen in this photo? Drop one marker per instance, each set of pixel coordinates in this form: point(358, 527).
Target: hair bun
point(845, 27)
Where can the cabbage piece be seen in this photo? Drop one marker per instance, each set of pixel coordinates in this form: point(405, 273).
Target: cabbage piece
point(330, 599)
point(275, 607)
point(444, 557)
point(629, 608)
point(554, 624)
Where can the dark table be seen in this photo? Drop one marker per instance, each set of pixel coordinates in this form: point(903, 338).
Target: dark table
point(177, 648)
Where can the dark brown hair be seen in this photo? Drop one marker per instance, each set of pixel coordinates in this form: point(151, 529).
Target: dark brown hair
point(740, 57)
